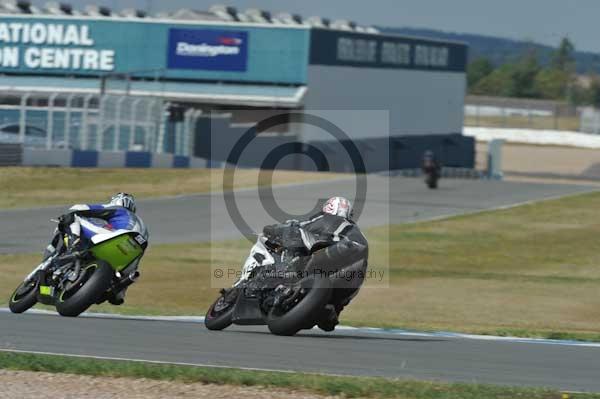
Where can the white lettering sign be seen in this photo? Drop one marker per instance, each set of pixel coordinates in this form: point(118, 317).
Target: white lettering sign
point(431, 56)
point(52, 46)
point(9, 57)
point(357, 50)
point(39, 33)
point(205, 50)
point(395, 53)
point(69, 58)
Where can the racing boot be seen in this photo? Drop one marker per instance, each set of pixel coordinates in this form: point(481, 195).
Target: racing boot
point(329, 319)
point(119, 298)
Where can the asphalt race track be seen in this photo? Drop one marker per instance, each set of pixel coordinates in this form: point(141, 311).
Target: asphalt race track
point(352, 352)
point(348, 352)
point(205, 218)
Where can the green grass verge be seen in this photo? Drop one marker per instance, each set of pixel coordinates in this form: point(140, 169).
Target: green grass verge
point(34, 187)
point(350, 387)
point(531, 270)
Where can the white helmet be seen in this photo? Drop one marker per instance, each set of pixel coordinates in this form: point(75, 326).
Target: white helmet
point(125, 200)
point(338, 206)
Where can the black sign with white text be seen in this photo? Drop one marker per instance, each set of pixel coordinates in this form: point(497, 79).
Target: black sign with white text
point(332, 47)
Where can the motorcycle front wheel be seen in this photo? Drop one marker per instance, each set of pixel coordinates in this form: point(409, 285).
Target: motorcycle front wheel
point(93, 281)
point(24, 297)
point(220, 314)
point(315, 293)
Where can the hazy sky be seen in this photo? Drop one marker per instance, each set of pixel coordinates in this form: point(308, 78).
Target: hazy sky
point(544, 21)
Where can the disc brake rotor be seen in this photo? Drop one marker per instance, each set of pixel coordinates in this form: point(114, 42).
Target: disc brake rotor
point(221, 305)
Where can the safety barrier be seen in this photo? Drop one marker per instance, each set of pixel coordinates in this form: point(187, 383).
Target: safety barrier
point(95, 159)
point(217, 140)
point(11, 154)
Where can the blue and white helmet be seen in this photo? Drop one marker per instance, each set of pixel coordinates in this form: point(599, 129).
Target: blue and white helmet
point(124, 200)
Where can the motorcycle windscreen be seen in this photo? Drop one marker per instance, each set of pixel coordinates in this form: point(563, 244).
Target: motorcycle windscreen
point(118, 252)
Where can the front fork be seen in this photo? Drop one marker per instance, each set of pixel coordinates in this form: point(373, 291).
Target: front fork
point(62, 261)
point(42, 267)
point(52, 250)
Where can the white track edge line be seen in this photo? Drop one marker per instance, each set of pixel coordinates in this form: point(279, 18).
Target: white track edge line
point(364, 330)
point(502, 207)
point(219, 366)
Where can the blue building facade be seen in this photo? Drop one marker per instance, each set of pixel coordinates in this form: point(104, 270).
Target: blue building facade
point(183, 51)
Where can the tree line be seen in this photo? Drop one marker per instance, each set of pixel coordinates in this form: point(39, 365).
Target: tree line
point(526, 77)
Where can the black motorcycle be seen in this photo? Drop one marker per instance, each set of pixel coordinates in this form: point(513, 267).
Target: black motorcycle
point(432, 173)
point(286, 299)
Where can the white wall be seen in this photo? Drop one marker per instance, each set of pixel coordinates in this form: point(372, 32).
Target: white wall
point(419, 102)
point(534, 136)
point(42, 157)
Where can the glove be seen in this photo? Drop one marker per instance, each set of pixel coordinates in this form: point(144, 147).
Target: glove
point(271, 232)
point(65, 221)
point(74, 243)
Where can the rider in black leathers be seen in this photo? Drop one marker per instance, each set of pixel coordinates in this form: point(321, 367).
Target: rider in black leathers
point(333, 245)
point(430, 163)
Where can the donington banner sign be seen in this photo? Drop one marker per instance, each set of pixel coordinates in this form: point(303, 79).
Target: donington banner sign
point(214, 50)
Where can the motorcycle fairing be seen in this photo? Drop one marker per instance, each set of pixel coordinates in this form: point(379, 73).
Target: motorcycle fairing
point(247, 311)
point(253, 261)
point(119, 249)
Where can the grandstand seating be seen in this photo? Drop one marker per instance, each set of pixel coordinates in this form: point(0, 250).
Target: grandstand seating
point(214, 13)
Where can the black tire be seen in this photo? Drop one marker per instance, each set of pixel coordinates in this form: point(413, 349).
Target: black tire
point(304, 314)
point(94, 281)
point(24, 297)
point(432, 182)
point(220, 319)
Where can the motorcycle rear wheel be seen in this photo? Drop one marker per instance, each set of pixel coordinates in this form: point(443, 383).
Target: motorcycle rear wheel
point(95, 279)
point(305, 313)
point(432, 182)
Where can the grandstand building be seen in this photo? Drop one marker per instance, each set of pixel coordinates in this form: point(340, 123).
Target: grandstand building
point(244, 65)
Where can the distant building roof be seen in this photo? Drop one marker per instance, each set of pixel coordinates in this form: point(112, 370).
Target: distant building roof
point(218, 13)
point(208, 93)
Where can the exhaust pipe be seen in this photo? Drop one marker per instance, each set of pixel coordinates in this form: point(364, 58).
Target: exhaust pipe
point(134, 276)
point(127, 281)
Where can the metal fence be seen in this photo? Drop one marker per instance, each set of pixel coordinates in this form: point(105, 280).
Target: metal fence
point(521, 113)
point(94, 122)
point(11, 154)
point(590, 120)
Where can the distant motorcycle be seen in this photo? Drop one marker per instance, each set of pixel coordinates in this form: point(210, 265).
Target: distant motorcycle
point(268, 292)
point(72, 281)
point(432, 172)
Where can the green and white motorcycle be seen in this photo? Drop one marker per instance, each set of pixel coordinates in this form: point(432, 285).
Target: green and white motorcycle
point(72, 281)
